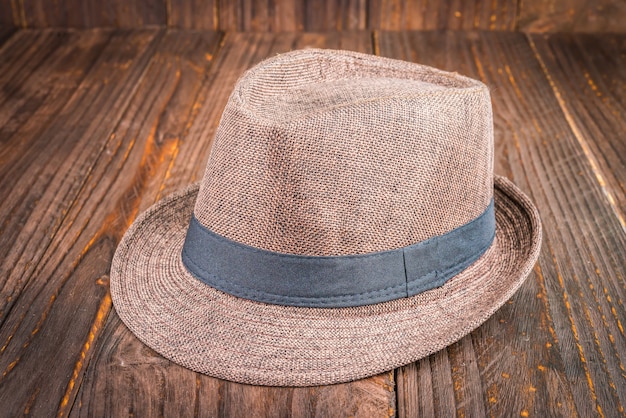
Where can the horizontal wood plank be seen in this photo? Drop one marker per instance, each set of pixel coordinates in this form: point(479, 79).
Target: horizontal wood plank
point(557, 346)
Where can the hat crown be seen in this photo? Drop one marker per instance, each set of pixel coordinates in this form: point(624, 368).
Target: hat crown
point(323, 152)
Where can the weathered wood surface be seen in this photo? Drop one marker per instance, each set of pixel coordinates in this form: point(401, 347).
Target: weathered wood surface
point(90, 13)
point(322, 15)
point(446, 14)
point(49, 300)
point(588, 77)
point(288, 15)
point(6, 14)
point(5, 33)
point(572, 15)
point(97, 125)
point(558, 346)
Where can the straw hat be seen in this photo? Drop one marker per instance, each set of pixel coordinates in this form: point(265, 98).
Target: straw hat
point(348, 222)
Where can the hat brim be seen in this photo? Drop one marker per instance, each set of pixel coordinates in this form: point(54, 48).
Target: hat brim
point(250, 342)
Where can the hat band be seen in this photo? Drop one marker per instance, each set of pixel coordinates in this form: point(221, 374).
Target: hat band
point(334, 281)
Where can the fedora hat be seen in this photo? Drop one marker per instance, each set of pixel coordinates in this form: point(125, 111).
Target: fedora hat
point(348, 222)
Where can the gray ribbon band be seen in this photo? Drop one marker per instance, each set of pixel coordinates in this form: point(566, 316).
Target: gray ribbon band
point(334, 281)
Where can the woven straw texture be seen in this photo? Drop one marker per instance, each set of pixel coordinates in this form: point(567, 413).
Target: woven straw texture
point(329, 153)
point(334, 153)
point(235, 339)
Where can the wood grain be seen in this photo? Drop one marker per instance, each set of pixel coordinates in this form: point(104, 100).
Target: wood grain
point(323, 15)
point(572, 16)
point(332, 15)
point(558, 346)
point(5, 33)
point(41, 70)
point(7, 17)
point(95, 126)
point(445, 14)
point(292, 15)
point(91, 13)
point(588, 75)
point(193, 14)
point(51, 291)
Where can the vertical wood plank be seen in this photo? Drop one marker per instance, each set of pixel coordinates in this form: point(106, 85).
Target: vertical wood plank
point(121, 376)
point(228, 16)
point(558, 346)
point(588, 75)
point(444, 14)
point(94, 13)
point(193, 14)
point(292, 15)
point(335, 15)
point(47, 310)
point(9, 14)
point(572, 16)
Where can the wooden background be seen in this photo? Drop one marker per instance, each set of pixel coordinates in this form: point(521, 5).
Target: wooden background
point(321, 15)
point(98, 124)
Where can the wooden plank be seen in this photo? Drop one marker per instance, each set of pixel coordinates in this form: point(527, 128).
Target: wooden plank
point(47, 308)
point(572, 16)
point(292, 15)
point(360, 14)
point(289, 15)
point(6, 31)
point(93, 13)
point(192, 14)
point(43, 84)
point(9, 14)
point(121, 376)
point(588, 75)
point(335, 15)
point(22, 54)
point(558, 346)
point(444, 14)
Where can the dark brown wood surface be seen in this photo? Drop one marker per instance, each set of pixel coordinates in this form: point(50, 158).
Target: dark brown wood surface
point(90, 13)
point(572, 15)
point(6, 14)
point(588, 78)
point(97, 125)
point(322, 15)
point(446, 14)
point(5, 33)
